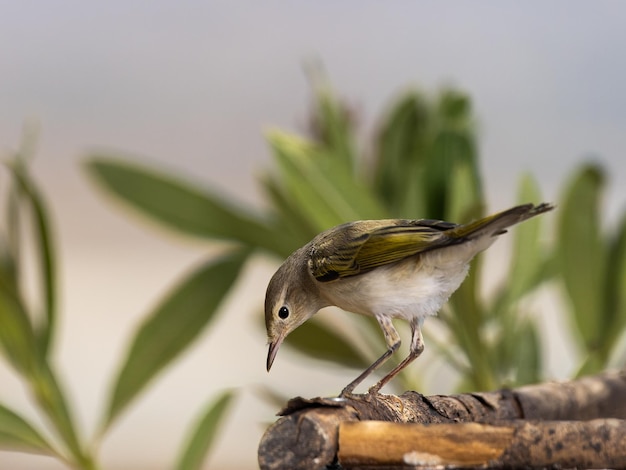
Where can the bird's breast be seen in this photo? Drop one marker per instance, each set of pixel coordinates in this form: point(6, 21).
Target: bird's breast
point(409, 289)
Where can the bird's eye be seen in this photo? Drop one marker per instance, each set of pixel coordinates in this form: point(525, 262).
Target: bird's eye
point(283, 312)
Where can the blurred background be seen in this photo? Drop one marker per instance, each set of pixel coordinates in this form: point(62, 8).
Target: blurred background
point(191, 87)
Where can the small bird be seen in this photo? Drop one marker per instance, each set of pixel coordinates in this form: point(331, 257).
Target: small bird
point(394, 268)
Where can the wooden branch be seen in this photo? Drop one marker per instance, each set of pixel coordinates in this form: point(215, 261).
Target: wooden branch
point(307, 436)
point(599, 443)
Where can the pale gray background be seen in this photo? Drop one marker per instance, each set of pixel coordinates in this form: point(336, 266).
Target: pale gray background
point(192, 85)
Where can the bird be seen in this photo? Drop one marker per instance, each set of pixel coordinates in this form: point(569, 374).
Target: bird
point(387, 269)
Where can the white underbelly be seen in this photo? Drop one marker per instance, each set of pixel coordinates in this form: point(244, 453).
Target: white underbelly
point(403, 290)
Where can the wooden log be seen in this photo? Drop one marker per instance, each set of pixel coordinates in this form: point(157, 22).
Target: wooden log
point(370, 443)
point(530, 444)
point(306, 436)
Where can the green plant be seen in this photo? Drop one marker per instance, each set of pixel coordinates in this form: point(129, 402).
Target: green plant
point(27, 336)
point(593, 267)
point(424, 163)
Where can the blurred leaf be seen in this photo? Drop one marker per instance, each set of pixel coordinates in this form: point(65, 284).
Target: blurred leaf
point(180, 206)
point(15, 201)
point(465, 385)
point(466, 325)
point(582, 253)
point(290, 219)
point(527, 360)
point(455, 108)
point(11, 253)
point(204, 433)
point(526, 249)
point(172, 327)
point(616, 288)
point(19, 343)
point(332, 125)
point(26, 350)
point(8, 269)
point(463, 201)
point(17, 337)
point(318, 207)
point(450, 149)
point(453, 144)
point(46, 257)
point(51, 399)
point(316, 339)
point(354, 191)
point(323, 191)
point(592, 363)
point(18, 435)
point(400, 154)
point(528, 266)
point(447, 351)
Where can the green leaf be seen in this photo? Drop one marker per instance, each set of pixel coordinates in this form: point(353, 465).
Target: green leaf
point(324, 191)
point(179, 205)
point(289, 218)
point(351, 189)
point(332, 125)
point(20, 344)
point(452, 144)
point(464, 203)
point(44, 248)
point(463, 200)
point(466, 327)
point(172, 327)
point(528, 354)
point(616, 288)
point(446, 350)
point(51, 399)
point(25, 349)
point(582, 254)
point(400, 154)
point(204, 433)
point(526, 249)
point(291, 154)
point(12, 245)
point(318, 340)
point(17, 337)
point(17, 434)
point(528, 264)
point(592, 364)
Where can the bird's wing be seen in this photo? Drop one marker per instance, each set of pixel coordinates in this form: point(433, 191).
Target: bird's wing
point(359, 247)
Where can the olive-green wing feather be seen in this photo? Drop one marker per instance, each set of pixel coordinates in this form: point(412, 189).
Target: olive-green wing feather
point(359, 247)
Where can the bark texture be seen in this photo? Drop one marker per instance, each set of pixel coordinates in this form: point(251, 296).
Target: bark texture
point(310, 431)
point(597, 443)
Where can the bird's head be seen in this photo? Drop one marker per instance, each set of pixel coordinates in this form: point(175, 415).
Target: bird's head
point(290, 300)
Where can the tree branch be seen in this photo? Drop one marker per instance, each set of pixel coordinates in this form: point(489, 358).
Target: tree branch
point(308, 434)
point(599, 443)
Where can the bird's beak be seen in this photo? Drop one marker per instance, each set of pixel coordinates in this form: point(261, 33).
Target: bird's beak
point(271, 354)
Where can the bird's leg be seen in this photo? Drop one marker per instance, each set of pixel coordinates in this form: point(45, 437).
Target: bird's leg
point(392, 338)
point(417, 346)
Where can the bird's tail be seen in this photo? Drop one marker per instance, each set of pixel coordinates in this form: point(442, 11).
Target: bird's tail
point(497, 224)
